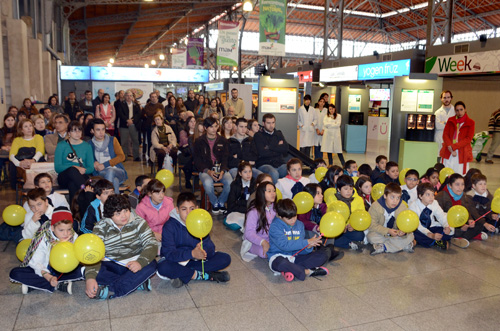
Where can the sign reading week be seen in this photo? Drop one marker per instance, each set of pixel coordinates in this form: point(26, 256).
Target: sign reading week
point(383, 70)
point(459, 64)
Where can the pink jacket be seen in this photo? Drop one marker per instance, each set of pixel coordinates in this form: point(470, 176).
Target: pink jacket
point(155, 218)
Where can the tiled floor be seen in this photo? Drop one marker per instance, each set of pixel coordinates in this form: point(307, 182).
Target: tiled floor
point(427, 290)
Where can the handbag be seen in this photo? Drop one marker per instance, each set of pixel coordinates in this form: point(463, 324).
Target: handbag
point(74, 152)
point(25, 153)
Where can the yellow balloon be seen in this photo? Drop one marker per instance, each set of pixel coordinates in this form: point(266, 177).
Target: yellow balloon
point(89, 248)
point(377, 191)
point(22, 248)
point(339, 207)
point(407, 221)
point(332, 225)
point(62, 257)
point(402, 175)
point(360, 220)
point(329, 195)
point(495, 205)
point(497, 192)
point(199, 223)
point(320, 173)
point(166, 177)
point(457, 216)
point(404, 203)
point(13, 215)
point(444, 173)
point(304, 202)
point(355, 179)
point(279, 195)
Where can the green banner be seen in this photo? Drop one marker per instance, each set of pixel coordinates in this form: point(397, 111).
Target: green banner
point(272, 27)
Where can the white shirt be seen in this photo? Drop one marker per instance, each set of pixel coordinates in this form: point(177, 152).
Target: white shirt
point(130, 110)
point(31, 227)
point(438, 216)
point(412, 193)
point(58, 200)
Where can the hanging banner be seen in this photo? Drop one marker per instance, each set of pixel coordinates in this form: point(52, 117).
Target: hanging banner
point(459, 64)
point(195, 51)
point(179, 58)
point(227, 43)
point(272, 24)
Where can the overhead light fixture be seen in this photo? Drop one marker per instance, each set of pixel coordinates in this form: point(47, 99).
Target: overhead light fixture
point(148, 0)
point(171, 50)
point(146, 65)
point(162, 56)
point(109, 64)
point(186, 41)
point(153, 62)
point(235, 68)
point(247, 5)
point(111, 60)
point(321, 84)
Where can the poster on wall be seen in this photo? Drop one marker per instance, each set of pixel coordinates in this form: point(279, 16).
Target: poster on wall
point(425, 100)
point(278, 99)
point(354, 104)
point(378, 128)
point(178, 58)
point(139, 89)
point(409, 100)
point(332, 99)
point(108, 87)
point(227, 43)
point(272, 23)
point(195, 49)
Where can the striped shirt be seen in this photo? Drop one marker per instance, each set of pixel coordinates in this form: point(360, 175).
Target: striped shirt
point(494, 122)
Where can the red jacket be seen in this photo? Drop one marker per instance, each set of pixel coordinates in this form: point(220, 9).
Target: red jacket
point(463, 144)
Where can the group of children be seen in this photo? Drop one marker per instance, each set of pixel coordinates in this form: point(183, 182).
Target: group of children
point(145, 225)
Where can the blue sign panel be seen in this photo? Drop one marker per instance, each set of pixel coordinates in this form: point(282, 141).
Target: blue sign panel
point(384, 70)
point(75, 73)
point(149, 74)
point(219, 86)
point(255, 85)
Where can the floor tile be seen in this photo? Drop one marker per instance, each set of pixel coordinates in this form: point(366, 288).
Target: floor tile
point(330, 309)
point(386, 325)
point(264, 314)
point(9, 309)
point(489, 272)
point(101, 325)
point(186, 319)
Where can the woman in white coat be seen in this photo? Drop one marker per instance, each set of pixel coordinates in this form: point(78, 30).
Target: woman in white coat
point(320, 114)
point(307, 126)
point(332, 141)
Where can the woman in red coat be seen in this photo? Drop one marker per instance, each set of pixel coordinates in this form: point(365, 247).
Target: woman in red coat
point(457, 136)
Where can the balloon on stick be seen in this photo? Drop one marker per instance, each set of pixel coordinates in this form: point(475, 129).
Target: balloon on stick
point(445, 173)
point(360, 220)
point(166, 177)
point(304, 202)
point(320, 173)
point(329, 195)
point(332, 224)
point(457, 216)
point(339, 207)
point(407, 221)
point(89, 248)
point(13, 215)
point(199, 223)
point(497, 192)
point(378, 191)
point(62, 257)
point(22, 248)
point(495, 205)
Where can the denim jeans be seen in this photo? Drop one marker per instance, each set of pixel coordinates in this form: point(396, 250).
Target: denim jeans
point(115, 175)
point(208, 185)
point(234, 172)
point(275, 173)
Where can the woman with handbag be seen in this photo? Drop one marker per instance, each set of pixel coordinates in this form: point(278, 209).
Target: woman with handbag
point(74, 160)
point(163, 141)
point(26, 149)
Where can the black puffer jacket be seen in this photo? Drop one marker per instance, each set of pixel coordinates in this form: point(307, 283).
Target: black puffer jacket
point(203, 157)
point(244, 151)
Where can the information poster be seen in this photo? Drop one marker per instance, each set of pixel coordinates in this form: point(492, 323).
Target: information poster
point(195, 53)
point(278, 99)
point(179, 58)
point(272, 23)
point(425, 101)
point(354, 104)
point(139, 89)
point(227, 43)
point(409, 100)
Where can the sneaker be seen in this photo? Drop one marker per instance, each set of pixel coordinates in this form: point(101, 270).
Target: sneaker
point(335, 255)
point(320, 271)
point(102, 293)
point(25, 289)
point(146, 286)
point(377, 249)
point(219, 276)
point(65, 287)
point(357, 246)
point(222, 209)
point(215, 209)
point(441, 244)
point(489, 161)
point(409, 248)
point(176, 283)
point(460, 242)
point(137, 159)
point(484, 236)
point(288, 276)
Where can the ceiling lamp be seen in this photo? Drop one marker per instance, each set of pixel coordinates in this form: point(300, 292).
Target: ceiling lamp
point(162, 56)
point(247, 5)
point(153, 62)
point(146, 65)
point(111, 60)
point(109, 64)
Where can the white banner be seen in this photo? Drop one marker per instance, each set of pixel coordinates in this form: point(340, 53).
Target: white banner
point(227, 43)
point(471, 63)
point(179, 58)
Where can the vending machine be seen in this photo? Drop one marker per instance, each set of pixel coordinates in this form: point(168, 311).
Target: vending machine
point(420, 127)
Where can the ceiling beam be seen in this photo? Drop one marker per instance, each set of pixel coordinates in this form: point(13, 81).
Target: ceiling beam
point(128, 32)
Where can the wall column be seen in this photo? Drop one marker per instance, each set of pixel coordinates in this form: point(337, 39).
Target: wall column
point(35, 69)
point(17, 39)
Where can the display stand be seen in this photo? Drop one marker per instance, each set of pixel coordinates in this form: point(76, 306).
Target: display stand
point(355, 138)
point(418, 155)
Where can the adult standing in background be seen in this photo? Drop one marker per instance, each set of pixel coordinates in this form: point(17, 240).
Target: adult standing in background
point(147, 115)
point(107, 113)
point(442, 115)
point(237, 103)
point(98, 99)
point(494, 132)
point(191, 101)
point(307, 121)
point(86, 104)
point(54, 106)
point(320, 114)
point(129, 114)
point(71, 106)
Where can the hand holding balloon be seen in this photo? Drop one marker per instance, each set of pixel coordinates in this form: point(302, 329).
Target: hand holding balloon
point(198, 253)
point(314, 241)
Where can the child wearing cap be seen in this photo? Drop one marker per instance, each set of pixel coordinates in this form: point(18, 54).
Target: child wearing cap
point(35, 271)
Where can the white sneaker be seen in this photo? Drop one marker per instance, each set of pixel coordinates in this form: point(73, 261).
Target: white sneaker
point(409, 248)
point(484, 236)
point(24, 289)
point(460, 242)
point(377, 249)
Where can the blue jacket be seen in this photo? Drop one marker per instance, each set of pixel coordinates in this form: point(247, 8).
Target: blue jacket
point(287, 240)
point(112, 155)
point(91, 217)
point(177, 243)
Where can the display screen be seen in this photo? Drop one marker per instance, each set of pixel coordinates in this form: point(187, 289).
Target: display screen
point(380, 94)
point(75, 73)
point(149, 74)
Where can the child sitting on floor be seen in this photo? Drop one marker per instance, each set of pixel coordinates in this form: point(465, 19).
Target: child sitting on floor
point(182, 254)
point(391, 174)
point(409, 190)
point(351, 168)
point(35, 271)
point(55, 199)
point(293, 183)
point(290, 253)
point(261, 178)
point(318, 163)
point(383, 232)
point(103, 189)
point(381, 162)
point(131, 250)
point(241, 189)
point(478, 203)
point(330, 179)
point(364, 189)
point(431, 176)
point(140, 183)
point(433, 229)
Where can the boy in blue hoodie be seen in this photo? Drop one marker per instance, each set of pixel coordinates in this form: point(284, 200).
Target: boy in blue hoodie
point(181, 253)
point(103, 189)
point(290, 253)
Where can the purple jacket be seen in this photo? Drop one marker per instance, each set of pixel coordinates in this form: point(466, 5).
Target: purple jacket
point(252, 221)
point(306, 218)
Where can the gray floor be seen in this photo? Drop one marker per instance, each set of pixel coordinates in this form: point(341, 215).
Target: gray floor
point(427, 290)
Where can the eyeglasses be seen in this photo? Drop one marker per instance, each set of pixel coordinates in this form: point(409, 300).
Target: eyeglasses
point(412, 179)
point(76, 130)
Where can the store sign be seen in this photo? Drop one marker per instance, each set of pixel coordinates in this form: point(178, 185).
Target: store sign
point(340, 74)
point(75, 73)
point(149, 74)
point(219, 86)
point(305, 76)
point(459, 64)
point(384, 70)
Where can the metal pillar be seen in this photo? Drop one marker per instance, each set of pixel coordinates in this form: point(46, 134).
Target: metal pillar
point(334, 27)
point(239, 46)
point(439, 22)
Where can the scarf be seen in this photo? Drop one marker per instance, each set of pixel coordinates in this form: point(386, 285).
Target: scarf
point(425, 217)
point(298, 187)
point(315, 215)
point(455, 198)
point(104, 146)
point(460, 121)
point(405, 196)
point(347, 201)
point(389, 211)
